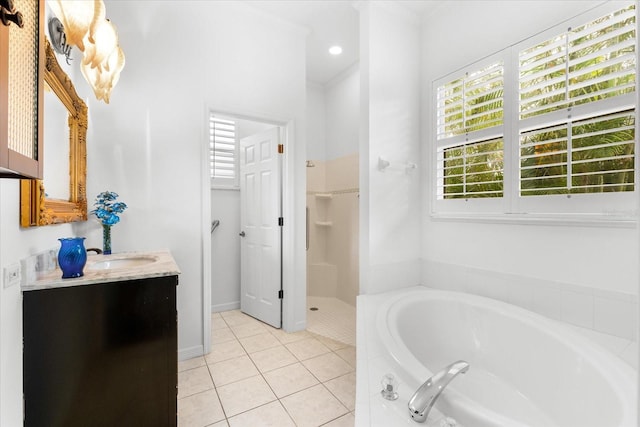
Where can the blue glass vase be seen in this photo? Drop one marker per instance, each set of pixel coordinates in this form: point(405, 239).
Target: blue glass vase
point(106, 239)
point(72, 257)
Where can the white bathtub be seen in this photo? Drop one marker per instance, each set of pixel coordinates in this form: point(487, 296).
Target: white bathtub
point(525, 369)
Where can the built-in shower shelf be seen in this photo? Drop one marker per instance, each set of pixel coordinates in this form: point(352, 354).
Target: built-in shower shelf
point(324, 223)
point(324, 196)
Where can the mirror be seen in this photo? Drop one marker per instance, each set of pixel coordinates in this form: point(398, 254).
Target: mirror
point(36, 207)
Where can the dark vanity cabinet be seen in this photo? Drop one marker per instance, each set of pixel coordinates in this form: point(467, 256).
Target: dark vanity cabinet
point(101, 354)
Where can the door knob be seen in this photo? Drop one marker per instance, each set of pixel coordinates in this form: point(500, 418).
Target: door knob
point(242, 234)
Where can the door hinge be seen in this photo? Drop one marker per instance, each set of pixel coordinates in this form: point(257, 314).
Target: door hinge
point(280, 148)
point(280, 294)
point(281, 221)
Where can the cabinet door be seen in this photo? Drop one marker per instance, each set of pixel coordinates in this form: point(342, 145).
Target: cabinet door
point(101, 355)
point(21, 93)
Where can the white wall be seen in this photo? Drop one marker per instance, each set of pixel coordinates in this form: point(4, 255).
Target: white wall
point(585, 275)
point(316, 122)
point(390, 127)
point(342, 114)
point(225, 250)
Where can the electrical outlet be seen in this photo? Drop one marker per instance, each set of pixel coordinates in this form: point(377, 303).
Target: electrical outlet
point(12, 275)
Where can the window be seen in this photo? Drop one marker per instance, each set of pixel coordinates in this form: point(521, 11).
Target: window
point(471, 107)
point(222, 151)
point(571, 106)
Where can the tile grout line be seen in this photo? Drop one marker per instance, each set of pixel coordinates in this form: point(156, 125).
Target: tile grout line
point(313, 335)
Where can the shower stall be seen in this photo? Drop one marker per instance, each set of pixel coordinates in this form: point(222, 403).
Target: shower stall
point(332, 228)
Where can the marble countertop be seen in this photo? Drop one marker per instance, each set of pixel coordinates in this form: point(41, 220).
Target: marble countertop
point(159, 264)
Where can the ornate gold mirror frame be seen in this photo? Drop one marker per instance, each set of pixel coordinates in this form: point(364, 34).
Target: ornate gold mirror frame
point(35, 208)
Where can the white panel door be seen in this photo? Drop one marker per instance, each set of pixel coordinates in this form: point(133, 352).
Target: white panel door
point(261, 234)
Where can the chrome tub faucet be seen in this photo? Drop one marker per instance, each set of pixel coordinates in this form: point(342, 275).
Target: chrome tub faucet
point(425, 397)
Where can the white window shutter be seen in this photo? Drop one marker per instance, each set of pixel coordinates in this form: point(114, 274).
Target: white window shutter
point(222, 150)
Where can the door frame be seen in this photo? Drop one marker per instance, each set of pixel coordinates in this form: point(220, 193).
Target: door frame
point(288, 249)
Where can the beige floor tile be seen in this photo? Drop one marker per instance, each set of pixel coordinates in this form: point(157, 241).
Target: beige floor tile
point(224, 351)
point(192, 363)
point(199, 410)
point(194, 381)
point(348, 420)
point(219, 424)
point(221, 335)
point(327, 366)
point(248, 329)
point(259, 342)
point(290, 379)
point(286, 337)
point(218, 323)
point(307, 348)
point(313, 407)
point(331, 343)
point(232, 370)
point(344, 388)
point(269, 415)
point(234, 312)
point(273, 358)
point(244, 395)
point(348, 354)
point(235, 318)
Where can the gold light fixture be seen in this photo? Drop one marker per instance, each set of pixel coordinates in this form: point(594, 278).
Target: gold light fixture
point(86, 27)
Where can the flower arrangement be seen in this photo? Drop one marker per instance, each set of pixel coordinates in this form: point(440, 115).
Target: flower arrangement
point(107, 210)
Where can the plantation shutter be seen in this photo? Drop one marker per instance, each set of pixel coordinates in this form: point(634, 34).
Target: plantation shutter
point(222, 150)
point(577, 109)
point(470, 115)
point(590, 63)
point(472, 102)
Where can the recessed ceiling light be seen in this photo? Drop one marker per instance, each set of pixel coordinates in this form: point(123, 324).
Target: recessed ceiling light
point(335, 50)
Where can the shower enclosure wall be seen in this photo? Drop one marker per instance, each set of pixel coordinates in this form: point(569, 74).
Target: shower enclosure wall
point(332, 228)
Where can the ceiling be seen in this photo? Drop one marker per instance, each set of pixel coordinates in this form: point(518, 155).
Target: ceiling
point(330, 22)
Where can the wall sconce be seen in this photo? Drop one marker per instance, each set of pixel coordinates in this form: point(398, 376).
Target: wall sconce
point(85, 26)
point(9, 14)
point(59, 39)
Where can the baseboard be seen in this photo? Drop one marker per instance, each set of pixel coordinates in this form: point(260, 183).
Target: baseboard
point(216, 308)
point(190, 353)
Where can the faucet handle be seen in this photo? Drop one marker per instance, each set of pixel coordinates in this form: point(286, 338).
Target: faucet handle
point(389, 387)
point(425, 397)
point(96, 250)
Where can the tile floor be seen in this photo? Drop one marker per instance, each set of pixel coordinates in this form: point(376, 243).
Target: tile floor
point(257, 375)
point(333, 318)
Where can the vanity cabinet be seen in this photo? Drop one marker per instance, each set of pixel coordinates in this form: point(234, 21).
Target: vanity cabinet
point(101, 354)
point(21, 92)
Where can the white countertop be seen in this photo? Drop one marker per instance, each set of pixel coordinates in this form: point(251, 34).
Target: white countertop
point(163, 264)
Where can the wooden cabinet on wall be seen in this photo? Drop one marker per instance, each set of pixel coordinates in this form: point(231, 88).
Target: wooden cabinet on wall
point(101, 354)
point(21, 92)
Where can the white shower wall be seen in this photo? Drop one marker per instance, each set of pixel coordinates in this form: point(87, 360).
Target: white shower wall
point(332, 258)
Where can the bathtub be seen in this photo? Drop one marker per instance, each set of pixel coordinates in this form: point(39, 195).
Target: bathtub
point(525, 369)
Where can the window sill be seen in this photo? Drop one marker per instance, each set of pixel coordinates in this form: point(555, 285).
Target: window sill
point(575, 220)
